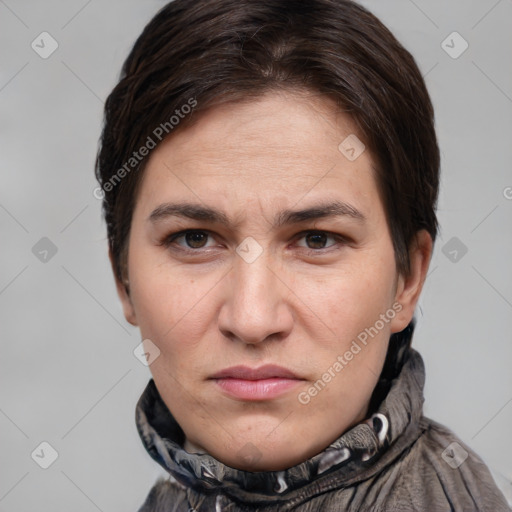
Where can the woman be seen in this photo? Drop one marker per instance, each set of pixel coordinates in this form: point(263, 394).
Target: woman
point(271, 174)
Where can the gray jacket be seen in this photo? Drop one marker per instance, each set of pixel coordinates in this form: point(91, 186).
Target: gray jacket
point(397, 460)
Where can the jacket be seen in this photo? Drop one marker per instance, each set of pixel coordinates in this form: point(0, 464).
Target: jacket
point(397, 460)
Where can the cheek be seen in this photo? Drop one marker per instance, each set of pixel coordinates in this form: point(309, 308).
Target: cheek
point(166, 300)
point(351, 308)
point(353, 298)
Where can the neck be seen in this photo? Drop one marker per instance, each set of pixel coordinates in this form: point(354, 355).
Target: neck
point(191, 447)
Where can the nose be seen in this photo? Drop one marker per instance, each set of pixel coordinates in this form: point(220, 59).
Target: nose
point(256, 306)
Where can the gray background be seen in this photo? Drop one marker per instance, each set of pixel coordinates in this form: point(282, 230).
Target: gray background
point(68, 373)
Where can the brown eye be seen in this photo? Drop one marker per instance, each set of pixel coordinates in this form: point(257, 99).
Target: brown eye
point(188, 240)
point(319, 240)
point(316, 240)
point(196, 239)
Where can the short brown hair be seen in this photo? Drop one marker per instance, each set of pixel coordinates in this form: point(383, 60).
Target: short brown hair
point(214, 51)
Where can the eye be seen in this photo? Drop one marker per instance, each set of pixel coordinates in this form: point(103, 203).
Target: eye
point(194, 239)
point(318, 239)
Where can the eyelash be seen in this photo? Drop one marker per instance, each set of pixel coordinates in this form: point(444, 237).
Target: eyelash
point(169, 240)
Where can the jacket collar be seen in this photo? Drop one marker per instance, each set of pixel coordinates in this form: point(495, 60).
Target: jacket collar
point(395, 412)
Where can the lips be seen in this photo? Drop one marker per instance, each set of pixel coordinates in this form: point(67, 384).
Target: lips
point(267, 371)
point(250, 384)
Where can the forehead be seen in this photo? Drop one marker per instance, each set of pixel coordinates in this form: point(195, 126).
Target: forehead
point(282, 147)
point(284, 126)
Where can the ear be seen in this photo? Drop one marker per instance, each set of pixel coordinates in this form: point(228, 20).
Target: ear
point(124, 295)
point(409, 288)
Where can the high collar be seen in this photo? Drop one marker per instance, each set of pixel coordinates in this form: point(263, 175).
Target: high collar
point(395, 411)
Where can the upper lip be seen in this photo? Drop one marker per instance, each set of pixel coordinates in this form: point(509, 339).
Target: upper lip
point(263, 372)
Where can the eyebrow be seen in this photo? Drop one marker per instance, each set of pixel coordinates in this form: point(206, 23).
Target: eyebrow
point(283, 218)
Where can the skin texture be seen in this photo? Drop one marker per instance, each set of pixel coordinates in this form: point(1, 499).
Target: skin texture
point(300, 304)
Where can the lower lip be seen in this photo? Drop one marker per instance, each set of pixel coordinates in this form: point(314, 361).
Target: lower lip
point(263, 389)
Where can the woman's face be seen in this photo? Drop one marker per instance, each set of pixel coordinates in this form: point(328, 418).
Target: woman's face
point(259, 283)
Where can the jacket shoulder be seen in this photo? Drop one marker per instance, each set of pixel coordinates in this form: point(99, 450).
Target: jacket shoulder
point(166, 495)
point(452, 475)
